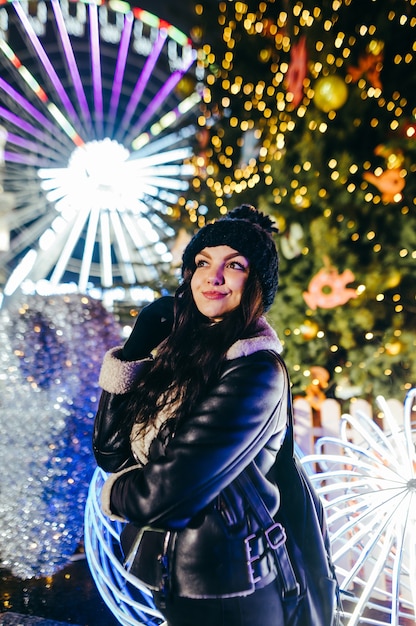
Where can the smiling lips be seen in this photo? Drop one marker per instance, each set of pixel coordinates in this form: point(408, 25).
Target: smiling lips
point(213, 295)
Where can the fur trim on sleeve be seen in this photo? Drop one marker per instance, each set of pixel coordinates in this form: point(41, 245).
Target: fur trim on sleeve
point(264, 339)
point(118, 376)
point(106, 493)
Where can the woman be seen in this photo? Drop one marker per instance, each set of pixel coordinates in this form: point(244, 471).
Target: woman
point(176, 429)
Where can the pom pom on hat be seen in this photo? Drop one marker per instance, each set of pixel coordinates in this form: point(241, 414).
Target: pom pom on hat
point(251, 233)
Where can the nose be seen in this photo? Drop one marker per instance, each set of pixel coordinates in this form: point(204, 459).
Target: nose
point(216, 276)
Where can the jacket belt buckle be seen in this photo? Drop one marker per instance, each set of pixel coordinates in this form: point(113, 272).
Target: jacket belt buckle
point(275, 536)
point(251, 559)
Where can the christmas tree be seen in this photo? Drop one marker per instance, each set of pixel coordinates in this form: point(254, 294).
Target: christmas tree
point(308, 112)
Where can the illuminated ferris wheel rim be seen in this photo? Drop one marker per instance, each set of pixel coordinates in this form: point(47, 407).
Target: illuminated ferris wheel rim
point(148, 130)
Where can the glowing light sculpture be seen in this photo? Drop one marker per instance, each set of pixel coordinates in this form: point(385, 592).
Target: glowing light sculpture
point(368, 485)
point(96, 140)
point(127, 599)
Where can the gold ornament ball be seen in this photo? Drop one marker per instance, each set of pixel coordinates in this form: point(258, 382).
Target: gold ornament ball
point(309, 329)
point(394, 348)
point(331, 93)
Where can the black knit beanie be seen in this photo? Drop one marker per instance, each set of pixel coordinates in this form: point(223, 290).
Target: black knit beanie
point(250, 233)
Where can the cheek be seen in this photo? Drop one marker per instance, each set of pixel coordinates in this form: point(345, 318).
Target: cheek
point(239, 285)
point(195, 281)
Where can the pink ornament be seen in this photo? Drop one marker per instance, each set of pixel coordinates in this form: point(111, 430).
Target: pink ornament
point(328, 289)
point(297, 70)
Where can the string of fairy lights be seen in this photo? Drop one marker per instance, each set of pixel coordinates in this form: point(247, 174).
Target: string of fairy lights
point(279, 74)
point(270, 109)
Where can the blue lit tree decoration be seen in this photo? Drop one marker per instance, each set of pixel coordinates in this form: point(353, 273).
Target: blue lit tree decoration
point(52, 349)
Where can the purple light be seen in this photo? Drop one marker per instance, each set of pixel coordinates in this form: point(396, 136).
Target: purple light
point(96, 65)
point(158, 99)
point(143, 79)
point(29, 145)
point(46, 63)
point(25, 159)
point(27, 127)
point(120, 68)
point(72, 64)
point(28, 107)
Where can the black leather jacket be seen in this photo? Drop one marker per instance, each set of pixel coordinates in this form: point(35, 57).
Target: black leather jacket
point(187, 485)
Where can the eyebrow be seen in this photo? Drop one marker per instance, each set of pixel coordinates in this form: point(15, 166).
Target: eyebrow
point(233, 255)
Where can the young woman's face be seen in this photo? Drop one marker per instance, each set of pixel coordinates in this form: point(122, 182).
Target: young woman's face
point(218, 282)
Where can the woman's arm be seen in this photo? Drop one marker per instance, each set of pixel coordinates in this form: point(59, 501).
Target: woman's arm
point(111, 435)
point(222, 436)
point(111, 443)
point(121, 368)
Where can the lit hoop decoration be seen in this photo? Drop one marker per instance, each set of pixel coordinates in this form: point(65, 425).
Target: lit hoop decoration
point(127, 599)
point(95, 143)
point(368, 485)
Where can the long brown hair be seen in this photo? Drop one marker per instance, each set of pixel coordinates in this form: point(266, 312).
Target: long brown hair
point(188, 362)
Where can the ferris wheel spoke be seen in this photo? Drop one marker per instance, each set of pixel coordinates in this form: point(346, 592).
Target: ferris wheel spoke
point(96, 68)
point(360, 463)
point(378, 442)
point(169, 156)
point(374, 531)
point(136, 235)
point(74, 235)
point(37, 116)
point(89, 248)
point(50, 71)
point(397, 570)
point(119, 71)
point(31, 155)
point(71, 62)
point(160, 145)
point(156, 102)
point(35, 133)
point(105, 250)
point(141, 83)
point(120, 245)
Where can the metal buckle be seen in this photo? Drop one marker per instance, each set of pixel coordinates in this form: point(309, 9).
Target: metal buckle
point(275, 537)
point(280, 538)
point(251, 559)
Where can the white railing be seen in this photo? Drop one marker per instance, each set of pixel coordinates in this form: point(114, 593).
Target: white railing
point(310, 425)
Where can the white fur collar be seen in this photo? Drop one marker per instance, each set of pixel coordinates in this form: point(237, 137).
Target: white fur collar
point(118, 376)
point(264, 339)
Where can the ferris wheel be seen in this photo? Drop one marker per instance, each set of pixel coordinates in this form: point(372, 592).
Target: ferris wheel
point(96, 126)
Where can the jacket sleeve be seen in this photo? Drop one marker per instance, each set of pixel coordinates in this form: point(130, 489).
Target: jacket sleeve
point(222, 436)
point(111, 444)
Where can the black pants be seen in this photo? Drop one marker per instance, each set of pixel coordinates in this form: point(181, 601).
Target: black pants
point(262, 608)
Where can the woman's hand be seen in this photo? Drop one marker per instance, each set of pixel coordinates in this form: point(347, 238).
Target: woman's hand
point(153, 324)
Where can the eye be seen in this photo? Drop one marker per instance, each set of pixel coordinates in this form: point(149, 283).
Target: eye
point(200, 262)
point(236, 265)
